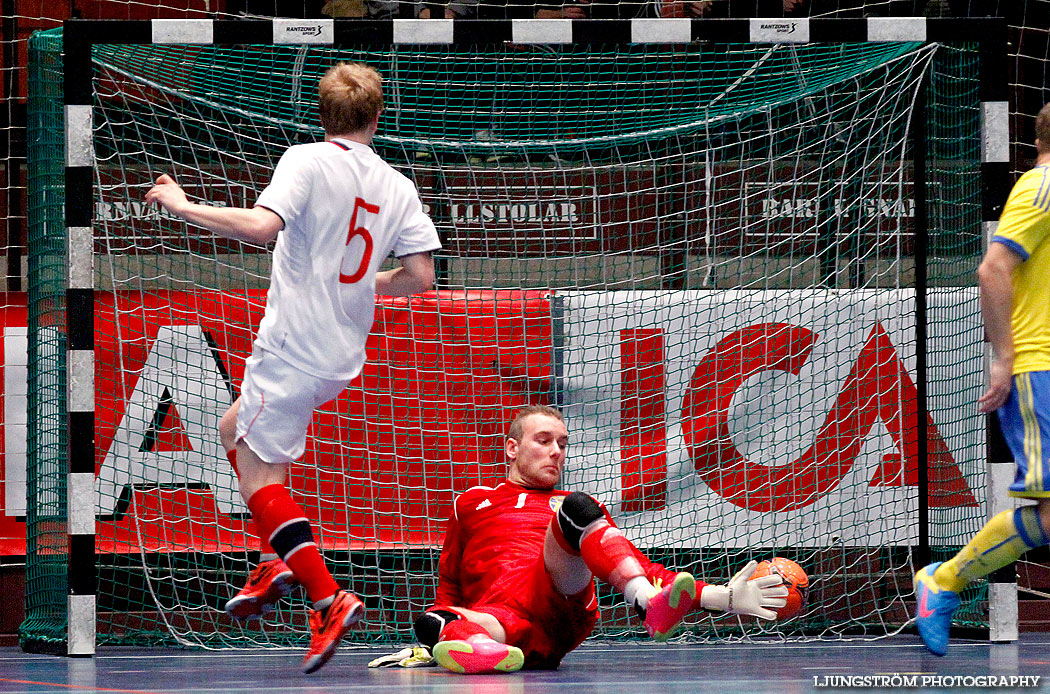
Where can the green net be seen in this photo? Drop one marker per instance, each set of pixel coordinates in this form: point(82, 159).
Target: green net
point(702, 253)
point(955, 207)
point(528, 93)
point(46, 541)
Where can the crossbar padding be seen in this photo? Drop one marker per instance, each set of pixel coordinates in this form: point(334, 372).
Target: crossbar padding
point(541, 31)
point(661, 31)
point(995, 132)
point(897, 29)
point(183, 31)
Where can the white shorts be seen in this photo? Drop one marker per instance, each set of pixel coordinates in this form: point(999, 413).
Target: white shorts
point(277, 406)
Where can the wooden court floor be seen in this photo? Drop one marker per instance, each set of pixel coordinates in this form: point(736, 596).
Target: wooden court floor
point(602, 667)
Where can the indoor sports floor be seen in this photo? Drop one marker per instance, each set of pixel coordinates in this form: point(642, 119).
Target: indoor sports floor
point(606, 668)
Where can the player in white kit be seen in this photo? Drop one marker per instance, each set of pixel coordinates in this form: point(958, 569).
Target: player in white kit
point(337, 211)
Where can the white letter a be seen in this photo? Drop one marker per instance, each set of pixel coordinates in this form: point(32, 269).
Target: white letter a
point(183, 372)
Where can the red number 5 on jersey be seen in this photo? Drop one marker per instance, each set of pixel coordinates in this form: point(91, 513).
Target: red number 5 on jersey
point(366, 254)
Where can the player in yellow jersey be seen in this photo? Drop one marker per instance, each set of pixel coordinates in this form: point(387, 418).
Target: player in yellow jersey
point(1014, 277)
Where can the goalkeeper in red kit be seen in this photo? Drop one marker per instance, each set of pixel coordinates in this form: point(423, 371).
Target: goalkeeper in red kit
point(517, 568)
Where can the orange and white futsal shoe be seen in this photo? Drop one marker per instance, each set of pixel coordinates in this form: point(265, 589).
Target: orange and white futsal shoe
point(327, 627)
point(268, 582)
point(478, 655)
point(669, 607)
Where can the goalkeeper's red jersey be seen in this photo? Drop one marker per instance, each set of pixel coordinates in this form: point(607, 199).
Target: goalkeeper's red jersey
point(494, 535)
point(492, 561)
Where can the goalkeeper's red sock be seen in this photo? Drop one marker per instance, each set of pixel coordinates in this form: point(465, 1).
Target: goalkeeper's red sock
point(463, 630)
point(284, 523)
point(611, 557)
point(265, 550)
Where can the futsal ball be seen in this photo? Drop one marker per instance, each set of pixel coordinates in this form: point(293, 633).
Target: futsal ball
point(795, 579)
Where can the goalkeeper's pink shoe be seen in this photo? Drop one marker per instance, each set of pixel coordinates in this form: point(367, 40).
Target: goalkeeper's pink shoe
point(478, 655)
point(669, 607)
point(268, 582)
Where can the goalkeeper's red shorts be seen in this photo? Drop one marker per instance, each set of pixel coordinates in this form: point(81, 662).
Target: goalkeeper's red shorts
point(540, 621)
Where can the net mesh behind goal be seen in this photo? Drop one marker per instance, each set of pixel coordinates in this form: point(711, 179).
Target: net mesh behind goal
point(702, 253)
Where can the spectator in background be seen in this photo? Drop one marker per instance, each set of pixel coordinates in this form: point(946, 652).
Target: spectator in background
point(513, 9)
point(571, 9)
point(376, 9)
point(729, 8)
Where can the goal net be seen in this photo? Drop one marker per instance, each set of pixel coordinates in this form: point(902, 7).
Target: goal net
point(705, 253)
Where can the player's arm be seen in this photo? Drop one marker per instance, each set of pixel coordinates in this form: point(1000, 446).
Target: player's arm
point(255, 225)
point(415, 275)
point(458, 9)
point(448, 589)
point(995, 277)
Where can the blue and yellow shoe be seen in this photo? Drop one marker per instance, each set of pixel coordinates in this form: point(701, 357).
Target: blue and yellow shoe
point(934, 607)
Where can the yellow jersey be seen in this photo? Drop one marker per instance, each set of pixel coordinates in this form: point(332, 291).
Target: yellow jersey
point(1024, 227)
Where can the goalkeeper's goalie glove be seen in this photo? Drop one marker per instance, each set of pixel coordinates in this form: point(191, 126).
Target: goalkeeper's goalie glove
point(407, 657)
point(743, 596)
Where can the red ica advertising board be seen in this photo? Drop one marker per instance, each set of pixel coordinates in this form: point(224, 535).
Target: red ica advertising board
point(784, 418)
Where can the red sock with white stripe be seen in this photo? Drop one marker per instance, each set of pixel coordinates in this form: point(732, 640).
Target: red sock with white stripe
point(265, 550)
point(463, 630)
point(611, 557)
point(283, 522)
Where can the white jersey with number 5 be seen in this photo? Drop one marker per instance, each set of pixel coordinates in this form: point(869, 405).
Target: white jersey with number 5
point(344, 210)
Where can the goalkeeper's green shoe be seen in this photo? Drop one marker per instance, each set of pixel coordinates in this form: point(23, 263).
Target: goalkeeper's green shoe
point(478, 656)
point(934, 607)
point(669, 607)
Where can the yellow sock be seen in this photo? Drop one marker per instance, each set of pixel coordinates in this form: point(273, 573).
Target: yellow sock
point(1001, 541)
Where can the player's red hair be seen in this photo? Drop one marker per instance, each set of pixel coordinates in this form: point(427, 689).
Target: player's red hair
point(516, 426)
point(351, 96)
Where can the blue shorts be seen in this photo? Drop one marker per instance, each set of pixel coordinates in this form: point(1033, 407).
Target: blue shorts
point(1025, 422)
